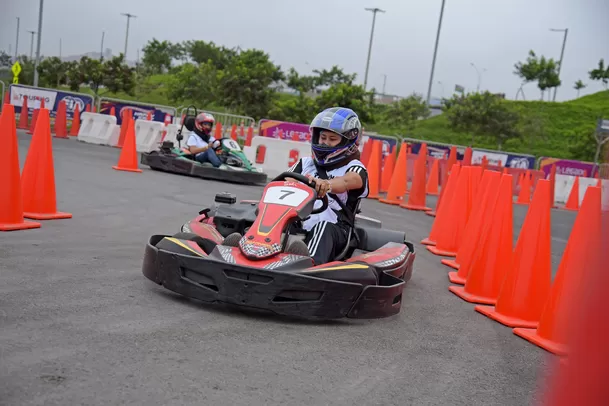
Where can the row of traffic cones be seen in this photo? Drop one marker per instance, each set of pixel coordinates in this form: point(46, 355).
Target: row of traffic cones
point(392, 179)
point(60, 126)
point(513, 286)
point(30, 194)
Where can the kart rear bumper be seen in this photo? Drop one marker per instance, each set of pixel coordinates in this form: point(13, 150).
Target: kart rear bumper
point(281, 292)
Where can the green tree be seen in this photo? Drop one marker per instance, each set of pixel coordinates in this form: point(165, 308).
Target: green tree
point(300, 109)
point(112, 74)
point(548, 77)
point(244, 86)
point(204, 52)
point(5, 60)
point(403, 115)
point(159, 55)
point(486, 115)
point(579, 85)
point(600, 73)
point(303, 84)
point(350, 96)
point(193, 84)
point(52, 72)
point(538, 69)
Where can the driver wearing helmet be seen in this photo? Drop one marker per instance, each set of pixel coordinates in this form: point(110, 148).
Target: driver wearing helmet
point(335, 134)
point(201, 144)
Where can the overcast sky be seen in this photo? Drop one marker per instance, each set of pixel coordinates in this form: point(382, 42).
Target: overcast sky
point(308, 34)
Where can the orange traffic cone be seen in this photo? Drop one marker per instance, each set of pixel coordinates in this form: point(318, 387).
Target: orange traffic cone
point(61, 125)
point(417, 197)
point(458, 208)
point(33, 122)
point(434, 179)
point(126, 118)
point(553, 184)
point(75, 128)
point(374, 170)
point(467, 157)
point(128, 158)
point(494, 257)
point(524, 195)
point(366, 150)
point(397, 187)
point(249, 136)
point(24, 115)
point(573, 200)
point(11, 202)
point(218, 131)
point(388, 168)
point(580, 256)
point(526, 287)
point(452, 159)
point(473, 229)
point(38, 177)
point(233, 132)
point(441, 223)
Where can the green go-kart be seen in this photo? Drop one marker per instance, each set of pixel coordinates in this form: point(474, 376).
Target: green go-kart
point(235, 165)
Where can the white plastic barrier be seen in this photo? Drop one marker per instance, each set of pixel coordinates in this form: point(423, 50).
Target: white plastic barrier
point(148, 135)
point(172, 133)
point(564, 185)
point(279, 155)
point(97, 128)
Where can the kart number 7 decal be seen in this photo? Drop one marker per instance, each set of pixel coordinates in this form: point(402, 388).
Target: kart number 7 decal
point(286, 196)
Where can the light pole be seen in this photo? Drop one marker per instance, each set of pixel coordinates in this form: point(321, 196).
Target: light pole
point(384, 83)
point(435, 52)
point(38, 45)
point(101, 51)
point(17, 41)
point(129, 17)
point(32, 44)
point(562, 53)
point(374, 11)
point(479, 76)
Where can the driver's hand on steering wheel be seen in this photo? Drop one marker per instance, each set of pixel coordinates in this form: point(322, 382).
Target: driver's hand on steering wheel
point(216, 144)
point(322, 186)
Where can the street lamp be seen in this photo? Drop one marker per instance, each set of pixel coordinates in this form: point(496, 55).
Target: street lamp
point(562, 53)
point(435, 52)
point(38, 46)
point(32, 44)
point(374, 11)
point(479, 76)
point(129, 17)
point(17, 41)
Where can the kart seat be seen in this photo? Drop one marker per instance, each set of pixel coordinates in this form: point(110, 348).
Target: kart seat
point(371, 239)
point(189, 123)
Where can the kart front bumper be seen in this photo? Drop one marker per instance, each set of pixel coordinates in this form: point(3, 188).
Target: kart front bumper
point(281, 292)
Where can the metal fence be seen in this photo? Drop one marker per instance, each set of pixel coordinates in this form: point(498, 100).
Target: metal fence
point(226, 119)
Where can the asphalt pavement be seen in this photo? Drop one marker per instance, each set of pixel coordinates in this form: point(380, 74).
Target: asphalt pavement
point(80, 325)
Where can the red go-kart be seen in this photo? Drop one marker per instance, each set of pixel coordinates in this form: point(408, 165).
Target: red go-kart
point(236, 253)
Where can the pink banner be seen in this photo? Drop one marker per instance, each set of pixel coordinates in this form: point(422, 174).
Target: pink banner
point(284, 130)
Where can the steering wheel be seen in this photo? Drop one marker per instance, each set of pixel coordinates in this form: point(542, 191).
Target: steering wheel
point(305, 180)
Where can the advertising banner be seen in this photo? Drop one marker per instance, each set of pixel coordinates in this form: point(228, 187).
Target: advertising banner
point(568, 167)
point(300, 132)
point(284, 130)
point(495, 158)
point(51, 98)
point(140, 111)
